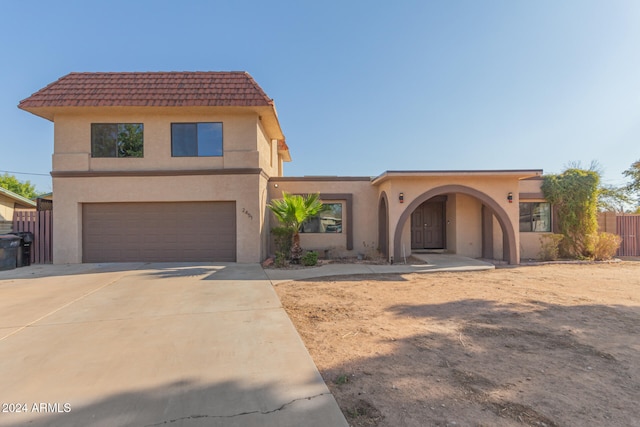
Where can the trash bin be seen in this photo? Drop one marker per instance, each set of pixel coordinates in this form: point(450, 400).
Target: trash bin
point(9, 245)
point(23, 256)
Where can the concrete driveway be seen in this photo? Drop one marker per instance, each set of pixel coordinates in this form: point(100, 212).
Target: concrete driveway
point(153, 345)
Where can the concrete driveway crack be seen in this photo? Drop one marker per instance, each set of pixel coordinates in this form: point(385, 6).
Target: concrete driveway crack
point(194, 417)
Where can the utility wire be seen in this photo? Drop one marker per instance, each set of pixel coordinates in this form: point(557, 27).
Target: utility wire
point(26, 173)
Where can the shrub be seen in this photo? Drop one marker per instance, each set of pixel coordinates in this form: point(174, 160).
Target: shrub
point(605, 246)
point(310, 259)
point(281, 259)
point(283, 237)
point(549, 246)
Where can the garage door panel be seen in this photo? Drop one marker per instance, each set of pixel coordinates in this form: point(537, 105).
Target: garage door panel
point(157, 232)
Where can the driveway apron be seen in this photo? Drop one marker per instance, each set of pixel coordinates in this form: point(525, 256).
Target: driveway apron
point(153, 345)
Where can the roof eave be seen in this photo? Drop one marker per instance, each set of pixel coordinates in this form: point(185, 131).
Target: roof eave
point(44, 112)
point(269, 118)
point(18, 198)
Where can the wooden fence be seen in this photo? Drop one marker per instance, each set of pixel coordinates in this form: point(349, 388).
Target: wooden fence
point(628, 227)
point(40, 223)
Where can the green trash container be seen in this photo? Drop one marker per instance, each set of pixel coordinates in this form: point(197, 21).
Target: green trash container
point(9, 245)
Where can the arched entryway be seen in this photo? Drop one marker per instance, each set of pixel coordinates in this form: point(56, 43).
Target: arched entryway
point(383, 224)
point(508, 231)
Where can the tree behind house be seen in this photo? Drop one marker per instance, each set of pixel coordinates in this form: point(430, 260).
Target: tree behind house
point(24, 189)
point(634, 186)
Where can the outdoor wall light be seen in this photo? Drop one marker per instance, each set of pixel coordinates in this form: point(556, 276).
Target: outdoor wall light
point(401, 197)
point(275, 185)
point(510, 197)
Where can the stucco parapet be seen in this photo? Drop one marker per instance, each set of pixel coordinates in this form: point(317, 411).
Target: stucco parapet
point(513, 173)
point(319, 178)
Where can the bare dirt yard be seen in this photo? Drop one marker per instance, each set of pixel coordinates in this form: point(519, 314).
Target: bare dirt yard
point(550, 345)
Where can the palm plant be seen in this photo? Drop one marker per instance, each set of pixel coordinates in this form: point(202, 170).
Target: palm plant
point(292, 211)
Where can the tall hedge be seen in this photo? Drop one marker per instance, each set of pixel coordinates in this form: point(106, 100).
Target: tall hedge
point(574, 193)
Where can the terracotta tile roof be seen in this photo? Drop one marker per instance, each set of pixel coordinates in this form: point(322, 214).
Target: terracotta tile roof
point(159, 89)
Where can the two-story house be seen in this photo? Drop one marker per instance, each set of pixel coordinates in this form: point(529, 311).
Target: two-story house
point(160, 166)
point(179, 166)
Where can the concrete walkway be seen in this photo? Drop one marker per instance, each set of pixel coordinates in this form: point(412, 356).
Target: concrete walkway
point(153, 345)
point(434, 263)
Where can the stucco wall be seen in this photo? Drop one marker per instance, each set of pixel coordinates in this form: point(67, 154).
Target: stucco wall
point(468, 223)
point(6, 208)
point(268, 152)
point(72, 132)
point(365, 218)
point(6, 214)
point(264, 216)
point(405, 248)
point(531, 185)
point(498, 250)
point(530, 245)
point(72, 192)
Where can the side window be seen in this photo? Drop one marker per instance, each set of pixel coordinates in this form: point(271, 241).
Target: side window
point(196, 139)
point(535, 216)
point(327, 221)
point(117, 140)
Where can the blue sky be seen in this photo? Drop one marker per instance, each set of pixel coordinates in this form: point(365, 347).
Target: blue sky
point(361, 87)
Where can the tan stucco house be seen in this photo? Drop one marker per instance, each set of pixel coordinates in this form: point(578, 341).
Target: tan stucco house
point(179, 166)
point(9, 202)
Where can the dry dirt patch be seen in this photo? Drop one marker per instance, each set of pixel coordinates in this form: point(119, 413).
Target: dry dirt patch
point(553, 345)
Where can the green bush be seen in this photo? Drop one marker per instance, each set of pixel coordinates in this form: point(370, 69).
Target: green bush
point(310, 259)
point(605, 246)
point(281, 259)
point(549, 246)
point(283, 238)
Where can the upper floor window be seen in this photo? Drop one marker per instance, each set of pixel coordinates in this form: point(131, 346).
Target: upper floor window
point(117, 140)
point(327, 221)
point(196, 139)
point(535, 216)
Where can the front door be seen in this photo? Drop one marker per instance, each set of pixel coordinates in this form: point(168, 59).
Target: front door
point(427, 226)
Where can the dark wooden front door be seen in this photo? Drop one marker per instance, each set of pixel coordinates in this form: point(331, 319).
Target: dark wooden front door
point(427, 226)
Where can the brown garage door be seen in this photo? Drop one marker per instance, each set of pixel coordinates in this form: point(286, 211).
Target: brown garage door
point(159, 232)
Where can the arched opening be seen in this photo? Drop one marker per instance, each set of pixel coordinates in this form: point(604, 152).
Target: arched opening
point(383, 225)
point(509, 245)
